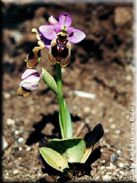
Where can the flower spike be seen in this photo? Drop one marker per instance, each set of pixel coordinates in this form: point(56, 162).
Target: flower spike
point(57, 37)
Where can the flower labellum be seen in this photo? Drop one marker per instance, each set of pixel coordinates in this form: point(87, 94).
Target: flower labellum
point(60, 51)
point(30, 81)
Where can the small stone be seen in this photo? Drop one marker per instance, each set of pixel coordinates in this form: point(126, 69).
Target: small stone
point(4, 143)
point(108, 168)
point(39, 174)
point(106, 130)
point(102, 167)
point(119, 153)
point(113, 158)
point(93, 112)
point(115, 173)
point(63, 70)
point(20, 139)
point(87, 109)
point(16, 132)
point(97, 178)
point(16, 35)
point(84, 94)
point(7, 173)
point(28, 148)
point(113, 126)
point(103, 162)
point(20, 148)
point(117, 132)
point(128, 78)
point(112, 166)
point(10, 121)
point(117, 170)
point(101, 150)
point(32, 109)
point(122, 16)
point(15, 171)
point(87, 120)
point(121, 172)
point(7, 95)
point(110, 120)
point(121, 165)
point(106, 178)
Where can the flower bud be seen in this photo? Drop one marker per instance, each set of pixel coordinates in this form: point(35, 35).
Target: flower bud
point(30, 80)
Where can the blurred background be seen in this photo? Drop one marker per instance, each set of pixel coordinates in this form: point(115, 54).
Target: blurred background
point(101, 65)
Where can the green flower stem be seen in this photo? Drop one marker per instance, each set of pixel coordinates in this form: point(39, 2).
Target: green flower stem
point(64, 115)
point(59, 77)
point(61, 101)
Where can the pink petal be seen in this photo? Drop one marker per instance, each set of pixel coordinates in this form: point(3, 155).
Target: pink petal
point(52, 20)
point(65, 20)
point(27, 86)
point(29, 72)
point(70, 30)
point(30, 83)
point(32, 79)
point(76, 36)
point(57, 28)
point(48, 31)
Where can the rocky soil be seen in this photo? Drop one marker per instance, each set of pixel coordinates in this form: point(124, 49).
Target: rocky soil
point(101, 65)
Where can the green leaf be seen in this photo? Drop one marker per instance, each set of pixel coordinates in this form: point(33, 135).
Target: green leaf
point(86, 154)
point(69, 129)
point(53, 158)
point(61, 125)
point(66, 126)
point(49, 80)
point(72, 149)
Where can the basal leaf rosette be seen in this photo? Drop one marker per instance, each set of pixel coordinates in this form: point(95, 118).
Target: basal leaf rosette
point(70, 153)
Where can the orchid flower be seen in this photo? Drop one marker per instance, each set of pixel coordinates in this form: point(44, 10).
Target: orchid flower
point(49, 32)
point(30, 81)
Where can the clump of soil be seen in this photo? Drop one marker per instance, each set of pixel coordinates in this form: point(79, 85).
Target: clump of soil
point(101, 65)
